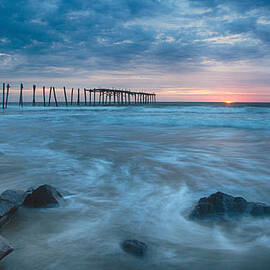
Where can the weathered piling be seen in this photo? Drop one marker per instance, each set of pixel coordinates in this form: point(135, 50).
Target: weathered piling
point(90, 97)
point(44, 96)
point(78, 97)
point(65, 95)
point(4, 87)
point(122, 97)
point(50, 96)
point(55, 98)
point(34, 95)
point(71, 96)
point(21, 96)
point(85, 100)
point(101, 96)
point(8, 88)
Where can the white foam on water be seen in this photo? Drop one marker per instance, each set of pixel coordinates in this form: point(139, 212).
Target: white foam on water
point(135, 172)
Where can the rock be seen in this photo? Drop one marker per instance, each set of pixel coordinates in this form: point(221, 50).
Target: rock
point(134, 247)
point(17, 197)
point(5, 248)
point(221, 205)
point(43, 196)
point(10, 201)
point(7, 209)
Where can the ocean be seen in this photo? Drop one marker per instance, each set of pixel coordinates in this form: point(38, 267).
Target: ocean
point(136, 172)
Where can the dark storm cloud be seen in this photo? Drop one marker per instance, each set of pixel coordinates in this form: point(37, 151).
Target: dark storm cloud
point(64, 33)
point(118, 34)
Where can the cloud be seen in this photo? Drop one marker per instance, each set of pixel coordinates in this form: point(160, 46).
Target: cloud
point(71, 37)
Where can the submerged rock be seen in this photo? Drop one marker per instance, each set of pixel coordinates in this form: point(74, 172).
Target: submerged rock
point(221, 205)
point(43, 196)
point(10, 201)
point(134, 247)
point(5, 247)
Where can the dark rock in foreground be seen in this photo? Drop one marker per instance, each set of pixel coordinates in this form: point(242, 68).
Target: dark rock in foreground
point(7, 209)
point(44, 196)
point(221, 205)
point(10, 201)
point(17, 197)
point(5, 247)
point(134, 247)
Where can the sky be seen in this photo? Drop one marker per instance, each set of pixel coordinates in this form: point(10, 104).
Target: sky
point(184, 50)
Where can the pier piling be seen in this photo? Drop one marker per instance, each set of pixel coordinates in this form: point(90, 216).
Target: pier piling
point(78, 97)
point(44, 96)
point(65, 95)
point(6, 104)
point(71, 96)
point(100, 96)
point(50, 96)
point(4, 87)
point(55, 99)
point(34, 95)
point(21, 95)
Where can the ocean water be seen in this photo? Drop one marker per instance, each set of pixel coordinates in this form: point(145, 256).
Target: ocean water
point(136, 173)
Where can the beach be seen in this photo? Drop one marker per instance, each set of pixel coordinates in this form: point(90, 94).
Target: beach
point(136, 172)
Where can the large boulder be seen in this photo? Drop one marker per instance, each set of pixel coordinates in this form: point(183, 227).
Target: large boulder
point(44, 196)
point(5, 248)
point(10, 201)
point(221, 205)
point(134, 247)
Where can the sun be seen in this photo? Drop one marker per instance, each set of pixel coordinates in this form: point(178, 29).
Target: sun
point(228, 101)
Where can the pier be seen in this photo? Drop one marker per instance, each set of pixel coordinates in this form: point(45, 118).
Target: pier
point(76, 96)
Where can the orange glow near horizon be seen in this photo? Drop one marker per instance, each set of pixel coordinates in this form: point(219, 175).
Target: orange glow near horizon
point(212, 95)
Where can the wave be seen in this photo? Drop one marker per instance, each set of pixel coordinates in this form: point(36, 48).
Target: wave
point(246, 117)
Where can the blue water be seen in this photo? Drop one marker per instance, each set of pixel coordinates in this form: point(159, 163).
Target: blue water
point(136, 172)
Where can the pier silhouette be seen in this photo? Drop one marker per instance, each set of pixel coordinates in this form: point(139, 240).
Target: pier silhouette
point(91, 96)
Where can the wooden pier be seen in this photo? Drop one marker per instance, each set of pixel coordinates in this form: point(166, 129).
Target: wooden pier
point(86, 97)
point(117, 97)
